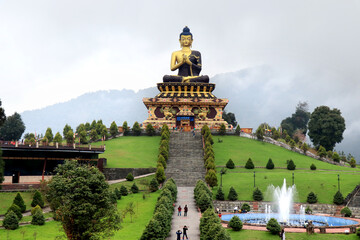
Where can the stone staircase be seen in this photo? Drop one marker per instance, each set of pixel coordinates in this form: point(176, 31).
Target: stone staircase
point(354, 199)
point(185, 164)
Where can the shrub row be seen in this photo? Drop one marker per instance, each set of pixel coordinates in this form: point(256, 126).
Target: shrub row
point(117, 194)
point(14, 212)
point(233, 196)
point(203, 196)
point(163, 154)
point(160, 224)
point(209, 157)
point(270, 165)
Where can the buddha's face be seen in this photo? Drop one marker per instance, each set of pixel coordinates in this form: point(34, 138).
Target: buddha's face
point(186, 40)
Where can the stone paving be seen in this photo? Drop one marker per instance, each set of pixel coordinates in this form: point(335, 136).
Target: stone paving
point(185, 166)
point(192, 220)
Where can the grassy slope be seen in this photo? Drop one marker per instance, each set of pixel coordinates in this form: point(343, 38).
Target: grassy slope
point(143, 213)
point(49, 231)
point(322, 182)
point(142, 183)
point(7, 198)
point(131, 152)
point(129, 231)
point(240, 149)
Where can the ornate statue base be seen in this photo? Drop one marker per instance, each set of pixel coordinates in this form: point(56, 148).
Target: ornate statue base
point(185, 105)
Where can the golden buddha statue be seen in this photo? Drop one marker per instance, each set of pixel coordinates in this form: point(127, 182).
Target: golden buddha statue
point(187, 61)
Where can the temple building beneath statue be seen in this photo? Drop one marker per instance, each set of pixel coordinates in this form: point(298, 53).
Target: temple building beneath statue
point(186, 106)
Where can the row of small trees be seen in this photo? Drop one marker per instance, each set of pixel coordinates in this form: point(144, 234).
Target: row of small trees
point(209, 157)
point(160, 224)
point(338, 198)
point(163, 154)
point(210, 225)
point(136, 129)
point(14, 213)
point(270, 165)
point(233, 196)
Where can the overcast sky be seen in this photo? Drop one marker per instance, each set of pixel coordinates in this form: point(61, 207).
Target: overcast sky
point(52, 51)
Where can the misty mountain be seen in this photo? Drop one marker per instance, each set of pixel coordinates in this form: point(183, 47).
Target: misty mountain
point(256, 95)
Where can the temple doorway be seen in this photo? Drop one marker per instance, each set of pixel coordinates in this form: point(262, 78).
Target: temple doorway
point(185, 123)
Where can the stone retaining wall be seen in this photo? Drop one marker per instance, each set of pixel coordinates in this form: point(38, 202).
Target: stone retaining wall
point(228, 206)
point(120, 173)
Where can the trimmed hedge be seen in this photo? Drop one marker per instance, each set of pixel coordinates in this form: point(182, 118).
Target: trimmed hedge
point(245, 207)
point(233, 196)
point(273, 226)
point(220, 194)
point(270, 164)
point(18, 200)
point(16, 209)
point(346, 212)
point(130, 177)
point(160, 224)
point(210, 227)
point(11, 221)
point(35, 209)
point(163, 156)
point(235, 223)
point(230, 164)
point(38, 200)
point(249, 164)
point(312, 198)
point(134, 188)
point(123, 191)
point(38, 218)
point(338, 198)
point(291, 165)
point(257, 195)
point(209, 157)
point(203, 196)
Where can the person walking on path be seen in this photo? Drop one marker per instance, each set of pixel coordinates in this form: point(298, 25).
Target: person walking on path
point(185, 228)
point(185, 211)
point(179, 210)
point(178, 234)
point(282, 234)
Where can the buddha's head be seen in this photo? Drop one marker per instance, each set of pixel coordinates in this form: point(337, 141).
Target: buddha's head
point(186, 38)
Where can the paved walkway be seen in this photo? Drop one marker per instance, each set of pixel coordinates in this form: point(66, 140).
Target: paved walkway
point(124, 179)
point(192, 221)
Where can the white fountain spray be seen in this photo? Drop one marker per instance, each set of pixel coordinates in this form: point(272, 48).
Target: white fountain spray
point(302, 214)
point(284, 199)
point(267, 212)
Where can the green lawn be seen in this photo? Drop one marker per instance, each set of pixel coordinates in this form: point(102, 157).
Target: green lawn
point(131, 152)
point(322, 183)
point(130, 230)
point(262, 235)
point(144, 209)
point(49, 231)
point(240, 149)
point(28, 218)
point(142, 183)
point(7, 198)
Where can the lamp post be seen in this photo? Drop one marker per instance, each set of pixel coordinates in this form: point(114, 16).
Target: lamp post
point(222, 172)
point(338, 182)
point(293, 179)
point(254, 179)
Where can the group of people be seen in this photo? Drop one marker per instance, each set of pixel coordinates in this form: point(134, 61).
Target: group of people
point(185, 210)
point(185, 228)
point(184, 233)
